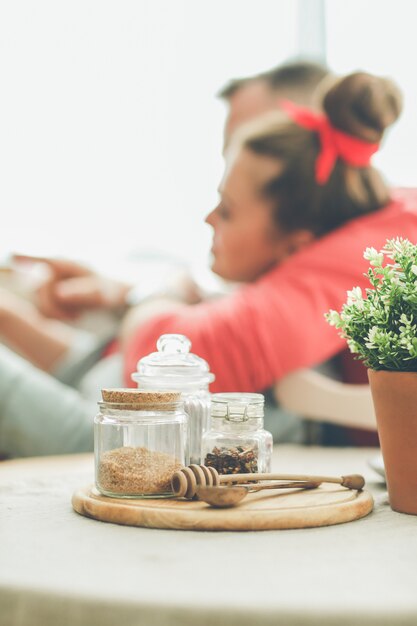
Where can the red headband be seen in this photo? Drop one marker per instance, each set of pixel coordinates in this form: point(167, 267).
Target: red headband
point(334, 143)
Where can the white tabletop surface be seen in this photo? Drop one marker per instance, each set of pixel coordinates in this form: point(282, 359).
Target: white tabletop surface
point(58, 568)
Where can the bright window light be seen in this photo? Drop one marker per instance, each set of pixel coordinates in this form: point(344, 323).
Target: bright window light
point(379, 36)
point(110, 129)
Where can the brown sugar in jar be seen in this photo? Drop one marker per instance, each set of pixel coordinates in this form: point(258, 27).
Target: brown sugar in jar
point(140, 440)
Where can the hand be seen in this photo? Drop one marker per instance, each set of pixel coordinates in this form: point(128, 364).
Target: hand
point(8, 304)
point(13, 306)
point(71, 289)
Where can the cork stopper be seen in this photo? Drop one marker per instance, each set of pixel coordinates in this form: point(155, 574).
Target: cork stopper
point(136, 398)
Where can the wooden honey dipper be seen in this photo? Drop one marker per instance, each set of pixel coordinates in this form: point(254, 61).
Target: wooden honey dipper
point(185, 481)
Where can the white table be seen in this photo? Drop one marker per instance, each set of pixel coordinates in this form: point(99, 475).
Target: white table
point(58, 568)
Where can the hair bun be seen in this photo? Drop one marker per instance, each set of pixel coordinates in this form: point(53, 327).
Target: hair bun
point(363, 105)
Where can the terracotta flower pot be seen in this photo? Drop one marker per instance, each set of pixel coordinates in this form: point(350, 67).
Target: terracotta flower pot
point(395, 400)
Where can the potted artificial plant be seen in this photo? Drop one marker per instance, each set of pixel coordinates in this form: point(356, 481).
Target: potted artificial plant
point(381, 329)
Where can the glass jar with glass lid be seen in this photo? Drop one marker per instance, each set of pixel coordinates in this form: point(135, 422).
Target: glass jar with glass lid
point(236, 442)
point(173, 366)
point(140, 440)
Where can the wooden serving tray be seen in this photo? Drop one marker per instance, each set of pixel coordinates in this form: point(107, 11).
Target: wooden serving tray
point(327, 505)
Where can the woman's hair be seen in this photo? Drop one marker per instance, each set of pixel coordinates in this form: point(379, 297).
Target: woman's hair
point(360, 105)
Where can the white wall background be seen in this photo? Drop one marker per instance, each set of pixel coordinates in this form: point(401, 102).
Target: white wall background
point(110, 132)
point(110, 129)
point(380, 36)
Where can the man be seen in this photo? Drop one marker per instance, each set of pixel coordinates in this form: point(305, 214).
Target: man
point(250, 97)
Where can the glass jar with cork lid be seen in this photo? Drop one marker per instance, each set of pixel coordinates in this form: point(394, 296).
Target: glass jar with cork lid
point(236, 442)
point(140, 440)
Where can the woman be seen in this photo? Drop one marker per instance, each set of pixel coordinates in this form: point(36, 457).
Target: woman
point(299, 204)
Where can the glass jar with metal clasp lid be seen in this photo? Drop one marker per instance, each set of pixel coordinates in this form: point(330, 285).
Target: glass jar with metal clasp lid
point(140, 440)
point(236, 442)
point(173, 366)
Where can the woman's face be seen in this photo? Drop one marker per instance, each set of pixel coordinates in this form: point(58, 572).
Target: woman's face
point(246, 240)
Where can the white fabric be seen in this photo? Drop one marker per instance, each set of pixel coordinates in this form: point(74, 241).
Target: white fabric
point(84, 352)
point(38, 414)
point(108, 372)
point(42, 414)
point(60, 569)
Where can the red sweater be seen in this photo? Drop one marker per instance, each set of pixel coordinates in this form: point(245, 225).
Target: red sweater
point(269, 328)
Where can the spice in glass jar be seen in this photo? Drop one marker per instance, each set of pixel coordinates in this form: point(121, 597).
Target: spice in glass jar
point(140, 441)
point(237, 460)
point(129, 470)
point(236, 442)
